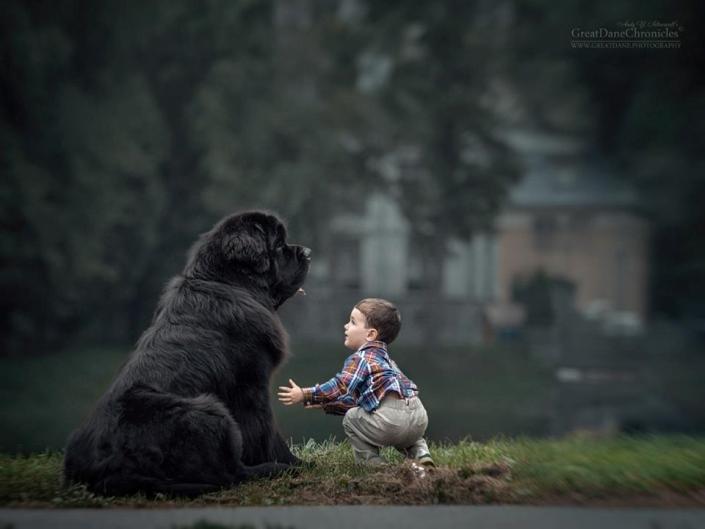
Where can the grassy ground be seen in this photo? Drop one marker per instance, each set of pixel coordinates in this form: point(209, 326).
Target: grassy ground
point(662, 470)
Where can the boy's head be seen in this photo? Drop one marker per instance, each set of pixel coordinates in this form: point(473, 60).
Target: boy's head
point(372, 319)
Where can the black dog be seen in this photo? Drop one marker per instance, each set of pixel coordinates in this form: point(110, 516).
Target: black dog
point(190, 412)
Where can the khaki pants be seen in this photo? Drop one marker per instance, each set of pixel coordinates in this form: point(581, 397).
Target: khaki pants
point(400, 423)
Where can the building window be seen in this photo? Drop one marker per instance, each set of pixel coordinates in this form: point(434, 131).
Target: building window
point(545, 229)
point(346, 263)
point(415, 271)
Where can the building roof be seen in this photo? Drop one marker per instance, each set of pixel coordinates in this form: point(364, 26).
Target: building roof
point(570, 182)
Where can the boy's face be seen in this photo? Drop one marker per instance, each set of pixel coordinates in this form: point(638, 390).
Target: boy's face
point(356, 331)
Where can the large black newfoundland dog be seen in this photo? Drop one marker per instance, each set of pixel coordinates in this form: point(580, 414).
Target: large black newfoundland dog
point(190, 412)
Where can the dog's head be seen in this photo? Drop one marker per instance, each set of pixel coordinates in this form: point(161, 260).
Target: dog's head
point(250, 250)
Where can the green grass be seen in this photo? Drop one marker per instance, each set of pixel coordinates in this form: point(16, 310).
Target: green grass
point(654, 469)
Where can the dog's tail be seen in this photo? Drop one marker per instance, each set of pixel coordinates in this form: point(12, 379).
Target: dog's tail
point(116, 485)
point(265, 470)
point(119, 486)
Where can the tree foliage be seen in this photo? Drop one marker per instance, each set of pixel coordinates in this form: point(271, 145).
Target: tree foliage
point(127, 128)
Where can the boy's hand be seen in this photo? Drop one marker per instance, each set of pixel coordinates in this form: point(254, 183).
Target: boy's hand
point(290, 395)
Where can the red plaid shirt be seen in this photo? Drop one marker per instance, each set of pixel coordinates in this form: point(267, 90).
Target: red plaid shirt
point(367, 376)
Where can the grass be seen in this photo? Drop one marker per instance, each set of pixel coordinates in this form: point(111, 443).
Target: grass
point(654, 470)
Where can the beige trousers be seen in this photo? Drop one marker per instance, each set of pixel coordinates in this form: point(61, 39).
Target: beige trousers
point(400, 423)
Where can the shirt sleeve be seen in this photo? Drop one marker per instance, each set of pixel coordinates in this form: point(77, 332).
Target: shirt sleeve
point(344, 383)
point(340, 406)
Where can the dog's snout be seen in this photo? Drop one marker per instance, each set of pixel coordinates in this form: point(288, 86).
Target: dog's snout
point(306, 252)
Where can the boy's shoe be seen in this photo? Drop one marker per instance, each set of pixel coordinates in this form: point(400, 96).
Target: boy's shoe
point(426, 460)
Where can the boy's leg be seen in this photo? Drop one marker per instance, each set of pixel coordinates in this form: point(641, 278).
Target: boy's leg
point(418, 449)
point(363, 432)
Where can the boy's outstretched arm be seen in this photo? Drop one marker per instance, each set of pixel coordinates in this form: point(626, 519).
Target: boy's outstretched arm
point(339, 406)
point(291, 394)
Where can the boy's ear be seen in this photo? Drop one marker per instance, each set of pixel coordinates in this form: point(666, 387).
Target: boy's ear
point(372, 334)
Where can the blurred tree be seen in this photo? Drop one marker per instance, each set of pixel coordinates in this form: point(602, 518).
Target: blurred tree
point(540, 294)
point(428, 67)
point(127, 128)
point(345, 90)
point(79, 203)
point(273, 123)
point(132, 127)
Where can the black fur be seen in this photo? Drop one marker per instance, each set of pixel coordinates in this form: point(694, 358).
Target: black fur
point(190, 412)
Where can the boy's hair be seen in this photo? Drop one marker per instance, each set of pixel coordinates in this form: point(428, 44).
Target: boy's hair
point(381, 315)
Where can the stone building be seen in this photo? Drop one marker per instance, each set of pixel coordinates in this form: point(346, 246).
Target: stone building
point(571, 218)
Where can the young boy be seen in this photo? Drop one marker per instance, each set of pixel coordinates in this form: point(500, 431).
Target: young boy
point(380, 403)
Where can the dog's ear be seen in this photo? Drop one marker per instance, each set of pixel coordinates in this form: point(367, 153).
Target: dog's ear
point(247, 249)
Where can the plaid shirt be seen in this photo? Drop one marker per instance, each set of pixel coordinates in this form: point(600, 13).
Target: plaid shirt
point(367, 376)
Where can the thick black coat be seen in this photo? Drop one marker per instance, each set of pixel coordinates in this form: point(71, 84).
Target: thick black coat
point(190, 410)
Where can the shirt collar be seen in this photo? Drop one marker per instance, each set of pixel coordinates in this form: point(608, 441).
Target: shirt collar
point(381, 346)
